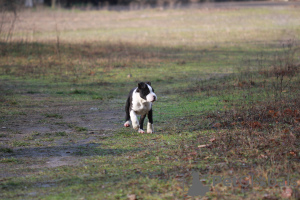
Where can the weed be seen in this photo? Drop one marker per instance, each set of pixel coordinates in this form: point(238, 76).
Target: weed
point(42, 121)
point(9, 160)
point(97, 97)
point(54, 115)
point(80, 129)
point(3, 135)
point(20, 144)
point(6, 150)
point(47, 140)
point(36, 133)
point(31, 137)
point(62, 133)
point(32, 92)
point(76, 91)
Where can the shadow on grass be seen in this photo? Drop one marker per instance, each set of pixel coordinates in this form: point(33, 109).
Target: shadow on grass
point(76, 150)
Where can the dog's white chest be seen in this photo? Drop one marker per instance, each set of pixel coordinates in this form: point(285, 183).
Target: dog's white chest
point(141, 108)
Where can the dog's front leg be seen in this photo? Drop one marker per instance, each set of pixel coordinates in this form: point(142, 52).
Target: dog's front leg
point(150, 128)
point(142, 124)
point(134, 120)
point(127, 117)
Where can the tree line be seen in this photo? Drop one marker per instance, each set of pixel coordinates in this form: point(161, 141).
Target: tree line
point(10, 4)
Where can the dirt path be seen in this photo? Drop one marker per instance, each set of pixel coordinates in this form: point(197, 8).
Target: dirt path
point(44, 115)
point(46, 132)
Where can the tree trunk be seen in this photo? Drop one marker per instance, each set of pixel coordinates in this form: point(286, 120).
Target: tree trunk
point(29, 3)
point(53, 3)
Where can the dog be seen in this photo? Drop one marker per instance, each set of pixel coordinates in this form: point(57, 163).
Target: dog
point(139, 102)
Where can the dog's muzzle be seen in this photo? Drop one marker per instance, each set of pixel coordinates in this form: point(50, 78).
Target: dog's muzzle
point(151, 98)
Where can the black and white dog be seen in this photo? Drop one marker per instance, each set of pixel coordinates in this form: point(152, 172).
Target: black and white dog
point(139, 102)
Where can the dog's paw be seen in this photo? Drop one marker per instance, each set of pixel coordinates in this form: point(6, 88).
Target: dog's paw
point(127, 124)
point(150, 132)
point(136, 127)
point(141, 131)
point(150, 128)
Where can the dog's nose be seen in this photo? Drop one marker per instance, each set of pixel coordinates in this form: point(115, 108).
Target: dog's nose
point(154, 98)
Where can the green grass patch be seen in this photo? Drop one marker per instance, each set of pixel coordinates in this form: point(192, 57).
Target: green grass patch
point(9, 160)
point(20, 144)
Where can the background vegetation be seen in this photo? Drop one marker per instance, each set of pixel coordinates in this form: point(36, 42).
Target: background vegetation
point(227, 82)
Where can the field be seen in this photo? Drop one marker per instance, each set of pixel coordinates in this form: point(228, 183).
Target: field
point(227, 82)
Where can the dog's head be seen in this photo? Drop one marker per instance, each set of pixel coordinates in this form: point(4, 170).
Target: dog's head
point(146, 91)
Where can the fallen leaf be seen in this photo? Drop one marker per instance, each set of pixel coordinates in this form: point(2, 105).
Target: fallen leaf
point(187, 158)
point(178, 188)
point(179, 176)
point(255, 124)
point(286, 130)
point(92, 73)
point(293, 153)
point(203, 145)
point(131, 196)
point(262, 156)
point(284, 137)
point(217, 125)
point(212, 139)
point(233, 124)
point(288, 111)
point(287, 193)
point(266, 196)
point(276, 114)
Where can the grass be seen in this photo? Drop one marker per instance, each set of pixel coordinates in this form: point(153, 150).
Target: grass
point(9, 160)
point(6, 150)
point(57, 116)
point(228, 103)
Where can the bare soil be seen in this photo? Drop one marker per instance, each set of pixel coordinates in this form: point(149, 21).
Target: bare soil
point(55, 130)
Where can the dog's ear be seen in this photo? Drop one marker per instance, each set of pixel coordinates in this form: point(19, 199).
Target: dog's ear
point(141, 86)
point(149, 83)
